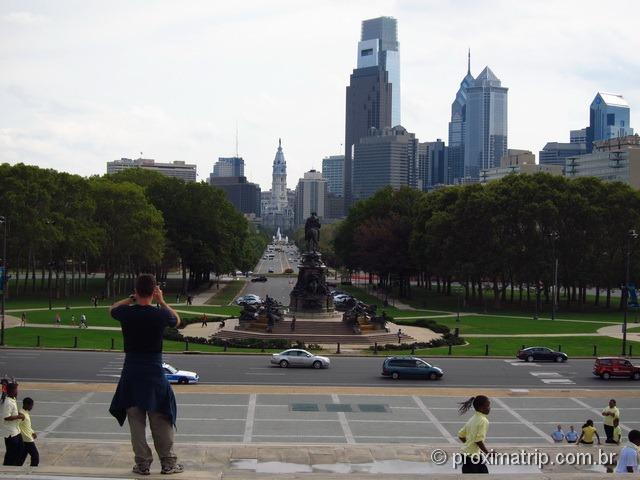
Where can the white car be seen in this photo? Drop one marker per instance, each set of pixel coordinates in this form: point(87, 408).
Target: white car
point(183, 377)
point(295, 357)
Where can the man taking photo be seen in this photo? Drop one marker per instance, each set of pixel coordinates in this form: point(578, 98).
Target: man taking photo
point(143, 390)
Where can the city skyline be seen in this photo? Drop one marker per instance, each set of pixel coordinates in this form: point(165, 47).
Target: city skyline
point(152, 81)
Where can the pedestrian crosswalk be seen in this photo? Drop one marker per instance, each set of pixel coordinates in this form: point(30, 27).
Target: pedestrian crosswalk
point(113, 368)
point(546, 377)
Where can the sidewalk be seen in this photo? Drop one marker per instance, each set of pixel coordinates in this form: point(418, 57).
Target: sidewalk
point(82, 459)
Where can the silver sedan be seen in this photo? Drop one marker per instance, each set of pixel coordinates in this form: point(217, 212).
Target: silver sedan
point(295, 357)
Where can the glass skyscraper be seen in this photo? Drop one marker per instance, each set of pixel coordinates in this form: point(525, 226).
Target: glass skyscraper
point(486, 124)
point(373, 94)
point(333, 172)
point(608, 118)
point(458, 127)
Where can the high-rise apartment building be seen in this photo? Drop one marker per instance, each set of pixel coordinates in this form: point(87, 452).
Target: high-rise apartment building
point(458, 127)
point(228, 167)
point(486, 124)
point(175, 169)
point(311, 196)
point(609, 117)
point(333, 172)
point(373, 94)
point(387, 157)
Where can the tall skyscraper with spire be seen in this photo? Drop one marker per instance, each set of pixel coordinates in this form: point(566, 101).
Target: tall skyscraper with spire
point(373, 94)
point(458, 127)
point(485, 141)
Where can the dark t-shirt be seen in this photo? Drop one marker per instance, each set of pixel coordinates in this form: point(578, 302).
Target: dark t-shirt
point(143, 326)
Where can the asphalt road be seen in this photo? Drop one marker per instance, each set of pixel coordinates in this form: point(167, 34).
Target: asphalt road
point(68, 366)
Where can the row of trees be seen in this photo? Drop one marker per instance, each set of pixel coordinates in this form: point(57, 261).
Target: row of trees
point(504, 236)
point(62, 226)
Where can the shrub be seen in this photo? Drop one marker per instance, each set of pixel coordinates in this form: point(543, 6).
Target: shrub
point(447, 339)
point(425, 323)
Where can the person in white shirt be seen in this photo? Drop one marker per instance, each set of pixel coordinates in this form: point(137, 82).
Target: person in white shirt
point(628, 457)
point(10, 426)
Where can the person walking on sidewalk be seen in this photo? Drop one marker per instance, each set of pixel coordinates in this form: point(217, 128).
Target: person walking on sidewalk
point(23, 319)
point(204, 321)
point(28, 435)
point(143, 390)
point(474, 434)
point(610, 414)
point(10, 426)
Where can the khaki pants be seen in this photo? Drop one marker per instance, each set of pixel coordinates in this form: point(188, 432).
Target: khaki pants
point(161, 431)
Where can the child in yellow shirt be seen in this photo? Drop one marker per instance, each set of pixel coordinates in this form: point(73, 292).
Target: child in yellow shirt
point(28, 435)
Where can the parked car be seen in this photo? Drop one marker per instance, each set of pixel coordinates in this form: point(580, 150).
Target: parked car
point(288, 270)
point(183, 377)
point(608, 367)
point(544, 354)
point(295, 357)
point(410, 367)
point(270, 270)
point(249, 299)
point(260, 278)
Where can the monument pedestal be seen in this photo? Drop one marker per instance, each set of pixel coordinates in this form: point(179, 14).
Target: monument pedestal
point(311, 296)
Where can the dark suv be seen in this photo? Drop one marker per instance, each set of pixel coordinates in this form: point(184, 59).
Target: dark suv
point(607, 367)
point(396, 367)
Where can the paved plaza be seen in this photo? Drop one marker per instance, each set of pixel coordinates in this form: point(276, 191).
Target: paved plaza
point(256, 418)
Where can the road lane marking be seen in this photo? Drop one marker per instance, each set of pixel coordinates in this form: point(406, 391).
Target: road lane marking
point(344, 423)
point(445, 433)
point(251, 415)
point(558, 381)
point(545, 374)
point(523, 420)
point(67, 413)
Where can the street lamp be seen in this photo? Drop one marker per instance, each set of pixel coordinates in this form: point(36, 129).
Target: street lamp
point(3, 277)
point(632, 235)
point(554, 238)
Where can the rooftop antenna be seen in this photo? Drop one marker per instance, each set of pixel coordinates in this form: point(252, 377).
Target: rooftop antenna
point(469, 61)
point(237, 156)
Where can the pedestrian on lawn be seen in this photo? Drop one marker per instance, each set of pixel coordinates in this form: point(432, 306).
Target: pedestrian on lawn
point(11, 418)
point(571, 435)
point(83, 321)
point(558, 435)
point(28, 434)
point(474, 434)
point(588, 432)
point(143, 390)
point(95, 301)
point(73, 319)
point(610, 414)
point(58, 320)
point(23, 320)
point(628, 457)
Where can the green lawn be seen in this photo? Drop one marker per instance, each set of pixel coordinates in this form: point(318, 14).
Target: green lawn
point(95, 339)
point(228, 291)
point(503, 325)
point(508, 346)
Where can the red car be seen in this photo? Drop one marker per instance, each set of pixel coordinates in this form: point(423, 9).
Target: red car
point(607, 367)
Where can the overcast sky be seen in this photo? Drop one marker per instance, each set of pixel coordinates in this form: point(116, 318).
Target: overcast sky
point(84, 82)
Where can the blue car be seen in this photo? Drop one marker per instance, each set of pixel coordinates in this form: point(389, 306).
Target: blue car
point(183, 377)
point(410, 367)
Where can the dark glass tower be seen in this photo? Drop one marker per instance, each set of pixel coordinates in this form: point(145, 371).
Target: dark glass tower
point(373, 94)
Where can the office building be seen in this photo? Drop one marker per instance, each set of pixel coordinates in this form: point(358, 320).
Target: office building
point(175, 169)
point(524, 168)
point(373, 94)
point(458, 127)
point(615, 160)
point(517, 157)
point(244, 195)
point(433, 165)
point(333, 172)
point(311, 196)
point(608, 118)
point(486, 124)
point(228, 167)
point(578, 136)
point(386, 157)
point(556, 153)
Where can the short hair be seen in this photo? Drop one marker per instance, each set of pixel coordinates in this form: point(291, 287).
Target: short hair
point(145, 284)
point(27, 402)
point(634, 436)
